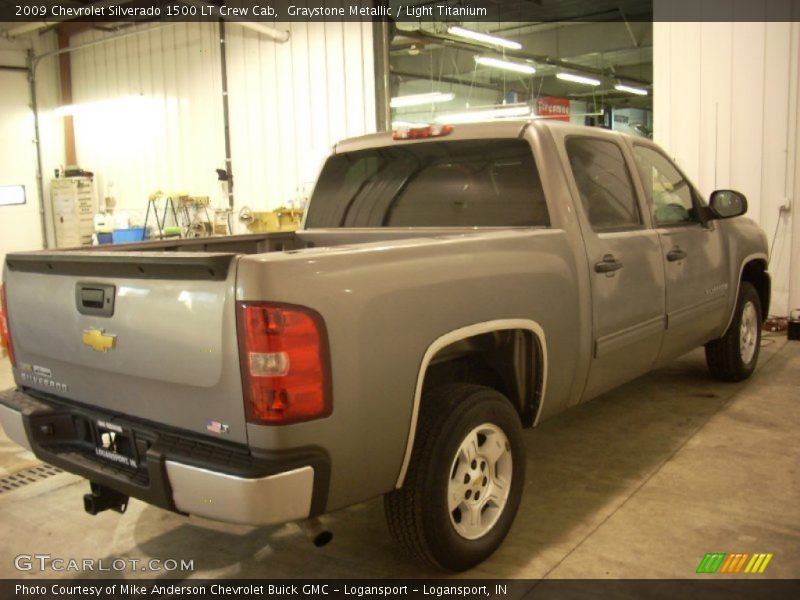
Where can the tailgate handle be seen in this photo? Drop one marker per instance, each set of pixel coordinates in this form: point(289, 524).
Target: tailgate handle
point(95, 299)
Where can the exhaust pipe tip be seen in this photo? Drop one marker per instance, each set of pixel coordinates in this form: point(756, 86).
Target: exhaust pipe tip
point(316, 532)
point(322, 539)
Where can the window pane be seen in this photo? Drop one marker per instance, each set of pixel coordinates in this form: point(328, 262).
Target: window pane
point(12, 194)
point(431, 184)
point(604, 184)
point(669, 194)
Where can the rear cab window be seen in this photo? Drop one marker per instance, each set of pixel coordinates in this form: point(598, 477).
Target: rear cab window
point(467, 183)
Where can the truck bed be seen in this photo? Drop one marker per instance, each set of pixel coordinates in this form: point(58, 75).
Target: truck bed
point(261, 243)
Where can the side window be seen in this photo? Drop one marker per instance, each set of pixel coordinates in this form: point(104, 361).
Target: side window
point(667, 192)
point(604, 183)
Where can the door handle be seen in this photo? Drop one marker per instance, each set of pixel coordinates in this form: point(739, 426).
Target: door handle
point(676, 254)
point(609, 264)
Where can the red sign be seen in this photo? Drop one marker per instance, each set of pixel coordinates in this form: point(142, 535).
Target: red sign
point(553, 107)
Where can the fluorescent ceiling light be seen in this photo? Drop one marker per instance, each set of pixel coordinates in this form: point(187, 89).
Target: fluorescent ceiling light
point(631, 90)
point(418, 99)
point(506, 65)
point(578, 78)
point(486, 115)
point(484, 38)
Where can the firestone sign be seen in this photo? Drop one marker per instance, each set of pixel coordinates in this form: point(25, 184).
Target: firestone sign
point(554, 107)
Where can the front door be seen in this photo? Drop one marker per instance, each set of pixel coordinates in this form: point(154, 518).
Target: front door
point(627, 276)
point(692, 254)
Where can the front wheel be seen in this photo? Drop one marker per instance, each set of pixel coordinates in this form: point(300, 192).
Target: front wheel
point(464, 481)
point(733, 357)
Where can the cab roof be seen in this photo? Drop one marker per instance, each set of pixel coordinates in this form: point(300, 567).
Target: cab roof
point(507, 128)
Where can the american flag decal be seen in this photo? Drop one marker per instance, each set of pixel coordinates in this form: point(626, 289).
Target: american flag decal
point(217, 427)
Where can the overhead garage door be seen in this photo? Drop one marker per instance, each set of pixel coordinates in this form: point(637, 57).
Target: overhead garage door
point(20, 227)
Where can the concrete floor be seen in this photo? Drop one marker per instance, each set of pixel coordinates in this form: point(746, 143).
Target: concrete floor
point(638, 484)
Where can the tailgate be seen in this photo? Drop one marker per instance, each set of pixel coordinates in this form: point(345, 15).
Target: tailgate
point(150, 335)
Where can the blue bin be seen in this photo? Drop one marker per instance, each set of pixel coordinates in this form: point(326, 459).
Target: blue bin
point(126, 236)
point(105, 238)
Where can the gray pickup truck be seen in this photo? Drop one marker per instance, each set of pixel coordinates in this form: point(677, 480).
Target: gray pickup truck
point(450, 286)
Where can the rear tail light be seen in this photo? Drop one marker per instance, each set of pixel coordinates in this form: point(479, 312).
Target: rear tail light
point(5, 331)
point(283, 351)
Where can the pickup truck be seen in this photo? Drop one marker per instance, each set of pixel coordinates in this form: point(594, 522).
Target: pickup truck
point(450, 286)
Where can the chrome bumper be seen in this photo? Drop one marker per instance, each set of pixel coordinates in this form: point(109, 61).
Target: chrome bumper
point(14, 426)
point(273, 499)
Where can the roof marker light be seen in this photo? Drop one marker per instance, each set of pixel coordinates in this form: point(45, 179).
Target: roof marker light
point(425, 131)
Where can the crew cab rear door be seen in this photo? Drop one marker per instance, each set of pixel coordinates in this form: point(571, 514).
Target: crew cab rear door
point(624, 255)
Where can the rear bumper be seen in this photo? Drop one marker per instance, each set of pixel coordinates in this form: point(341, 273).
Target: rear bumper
point(263, 500)
point(171, 469)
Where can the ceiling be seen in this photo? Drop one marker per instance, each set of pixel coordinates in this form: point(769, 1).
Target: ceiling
point(589, 38)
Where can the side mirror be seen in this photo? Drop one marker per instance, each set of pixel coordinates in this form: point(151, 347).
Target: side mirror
point(725, 204)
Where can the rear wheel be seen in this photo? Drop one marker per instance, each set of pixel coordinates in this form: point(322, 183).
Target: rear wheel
point(464, 481)
point(733, 357)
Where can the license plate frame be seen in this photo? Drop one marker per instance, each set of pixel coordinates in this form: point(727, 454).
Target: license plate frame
point(115, 444)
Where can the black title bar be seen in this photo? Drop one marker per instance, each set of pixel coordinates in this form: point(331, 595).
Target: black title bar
point(444, 11)
point(411, 589)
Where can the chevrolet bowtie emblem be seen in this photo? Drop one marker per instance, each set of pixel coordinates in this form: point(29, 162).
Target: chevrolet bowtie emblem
point(99, 341)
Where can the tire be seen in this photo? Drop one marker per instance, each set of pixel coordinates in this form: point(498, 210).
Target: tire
point(733, 357)
point(468, 444)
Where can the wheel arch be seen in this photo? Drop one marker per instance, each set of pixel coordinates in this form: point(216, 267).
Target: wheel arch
point(753, 269)
point(523, 339)
point(755, 272)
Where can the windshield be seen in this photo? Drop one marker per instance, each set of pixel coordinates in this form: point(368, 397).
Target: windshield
point(473, 183)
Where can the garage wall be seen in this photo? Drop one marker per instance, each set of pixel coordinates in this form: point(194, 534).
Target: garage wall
point(20, 226)
point(726, 107)
point(51, 127)
point(148, 112)
point(290, 103)
point(154, 115)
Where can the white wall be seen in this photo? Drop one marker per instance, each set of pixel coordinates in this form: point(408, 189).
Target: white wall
point(20, 226)
point(289, 103)
point(726, 108)
point(148, 112)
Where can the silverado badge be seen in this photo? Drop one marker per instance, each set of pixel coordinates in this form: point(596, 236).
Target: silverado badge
point(99, 341)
